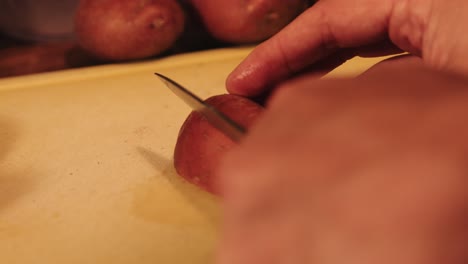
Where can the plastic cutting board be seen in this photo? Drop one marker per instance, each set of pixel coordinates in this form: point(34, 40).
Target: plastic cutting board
point(86, 170)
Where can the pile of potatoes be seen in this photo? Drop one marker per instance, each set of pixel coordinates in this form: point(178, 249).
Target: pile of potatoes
point(119, 30)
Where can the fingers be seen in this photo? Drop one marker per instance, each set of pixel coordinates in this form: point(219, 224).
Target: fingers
point(325, 167)
point(316, 34)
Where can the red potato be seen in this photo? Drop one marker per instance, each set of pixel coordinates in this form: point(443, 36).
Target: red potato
point(200, 146)
point(118, 30)
point(247, 21)
point(42, 57)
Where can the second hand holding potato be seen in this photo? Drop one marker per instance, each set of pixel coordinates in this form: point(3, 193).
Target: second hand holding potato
point(333, 31)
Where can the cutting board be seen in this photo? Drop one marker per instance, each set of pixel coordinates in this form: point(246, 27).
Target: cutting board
point(86, 171)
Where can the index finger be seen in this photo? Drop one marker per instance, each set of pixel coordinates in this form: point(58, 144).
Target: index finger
point(320, 31)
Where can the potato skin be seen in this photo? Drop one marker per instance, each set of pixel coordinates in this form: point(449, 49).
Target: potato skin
point(42, 57)
point(247, 21)
point(200, 146)
point(118, 30)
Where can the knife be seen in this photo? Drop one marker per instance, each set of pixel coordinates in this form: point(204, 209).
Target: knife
point(215, 117)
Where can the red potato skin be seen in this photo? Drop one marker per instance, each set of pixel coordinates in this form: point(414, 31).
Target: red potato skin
point(247, 21)
point(200, 146)
point(42, 57)
point(118, 30)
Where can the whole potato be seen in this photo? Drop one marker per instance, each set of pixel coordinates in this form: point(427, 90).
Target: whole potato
point(247, 21)
point(43, 57)
point(119, 30)
point(200, 146)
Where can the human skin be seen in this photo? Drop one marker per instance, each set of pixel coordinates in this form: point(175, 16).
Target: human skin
point(333, 31)
point(364, 170)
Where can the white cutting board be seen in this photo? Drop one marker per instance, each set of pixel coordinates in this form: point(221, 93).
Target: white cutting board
point(86, 170)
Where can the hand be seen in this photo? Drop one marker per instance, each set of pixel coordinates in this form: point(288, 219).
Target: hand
point(333, 31)
point(369, 170)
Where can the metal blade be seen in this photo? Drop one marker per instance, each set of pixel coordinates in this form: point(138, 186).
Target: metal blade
point(219, 120)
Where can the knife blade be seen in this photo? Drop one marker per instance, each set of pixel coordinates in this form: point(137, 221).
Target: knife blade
point(215, 117)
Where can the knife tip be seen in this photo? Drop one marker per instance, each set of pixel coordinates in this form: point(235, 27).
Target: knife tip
point(162, 77)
